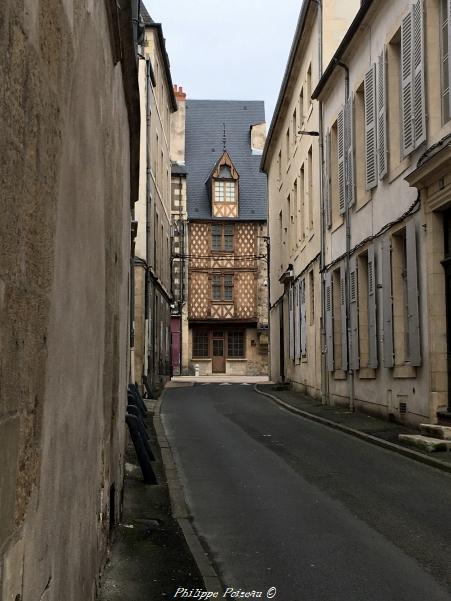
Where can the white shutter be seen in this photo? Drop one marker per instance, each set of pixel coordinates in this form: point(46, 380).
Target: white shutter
point(372, 308)
point(291, 322)
point(344, 323)
point(387, 303)
point(349, 151)
point(341, 161)
point(354, 359)
point(297, 322)
point(382, 133)
point(407, 133)
point(413, 317)
point(303, 318)
point(370, 128)
point(449, 46)
point(419, 96)
point(326, 185)
point(329, 323)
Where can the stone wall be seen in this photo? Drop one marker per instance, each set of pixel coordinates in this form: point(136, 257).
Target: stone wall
point(64, 267)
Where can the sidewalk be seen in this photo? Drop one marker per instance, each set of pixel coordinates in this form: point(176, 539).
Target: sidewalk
point(150, 558)
point(371, 429)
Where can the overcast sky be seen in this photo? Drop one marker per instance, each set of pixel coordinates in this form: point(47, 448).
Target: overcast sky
point(233, 50)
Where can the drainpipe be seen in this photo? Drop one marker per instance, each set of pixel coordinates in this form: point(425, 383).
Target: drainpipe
point(351, 383)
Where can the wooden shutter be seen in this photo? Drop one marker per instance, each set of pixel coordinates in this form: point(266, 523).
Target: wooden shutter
point(413, 317)
point(341, 161)
point(387, 303)
point(372, 309)
point(349, 152)
point(291, 322)
point(297, 322)
point(326, 185)
point(370, 128)
point(419, 96)
point(344, 323)
point(407, 133)
point(449, 46)
point(303, 318)
point(382, 140)
point(329, 323)
point(354, 359)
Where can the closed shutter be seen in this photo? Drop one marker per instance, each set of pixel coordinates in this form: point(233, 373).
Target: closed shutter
point(291, 321)
point(372, 309)
point(413, 317)
point(382, 140)
point(344, 324)
point(419, 96)
point(407, 133)
point(354, 359)
point(303, 318)
point(297, 322)
point(370, 128)
point(387, 303)
point(449, 46)
point(349, 152)
point(341, 161)
point(329, 323)
point(326, 185)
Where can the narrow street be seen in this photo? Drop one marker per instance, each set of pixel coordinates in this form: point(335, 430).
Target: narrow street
point(284, 502)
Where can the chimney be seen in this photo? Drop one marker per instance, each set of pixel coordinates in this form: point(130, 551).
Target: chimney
point(179, 93)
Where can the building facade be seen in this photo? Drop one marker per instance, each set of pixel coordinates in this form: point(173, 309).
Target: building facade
point(223, 315)
point(386, 131)
point(69, 115)
point(292, 160)
point(152, 263)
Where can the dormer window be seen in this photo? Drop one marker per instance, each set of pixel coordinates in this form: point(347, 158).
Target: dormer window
point(224, 188)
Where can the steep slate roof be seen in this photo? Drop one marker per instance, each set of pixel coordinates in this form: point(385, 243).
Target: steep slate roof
point(204, 146)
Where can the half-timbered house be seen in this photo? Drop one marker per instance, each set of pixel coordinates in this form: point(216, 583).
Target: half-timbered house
point(226, 317)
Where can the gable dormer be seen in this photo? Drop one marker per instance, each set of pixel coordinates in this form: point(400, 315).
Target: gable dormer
point(224, 188)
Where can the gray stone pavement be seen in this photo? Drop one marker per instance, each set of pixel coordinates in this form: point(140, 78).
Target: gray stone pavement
point(380, 429)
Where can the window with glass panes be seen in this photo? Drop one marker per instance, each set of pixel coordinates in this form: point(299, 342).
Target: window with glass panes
point(444, 61)
point(222, 237)
point(235, 344)
point(200, 343)
point(222, 287)
point(224, 191)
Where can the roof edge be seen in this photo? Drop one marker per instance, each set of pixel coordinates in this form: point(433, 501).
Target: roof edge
point(349, 35)
point(288, 70)
point(167, 67)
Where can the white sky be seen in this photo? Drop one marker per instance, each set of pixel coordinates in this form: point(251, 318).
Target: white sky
point(231, 50)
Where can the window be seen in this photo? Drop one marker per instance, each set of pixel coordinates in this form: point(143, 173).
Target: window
point(200, 343)
point(302, 203)
point(295, 213)
point(224, 191)
point(235, 344)
point(333, 177)
point(294, 128)
point(444, 61)
point(309, 85)
point(310, 188)
point(400, 310)
point(287, 146)
point(222, 287)
point(337, 317)
point(312, 297)
point(222, 237)
point(359, 108)
point(279, 166)
point(301, 108)
point(362, 272)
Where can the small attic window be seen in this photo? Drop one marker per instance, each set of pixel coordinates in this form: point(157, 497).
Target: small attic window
point(225, 191)
point(224, 187)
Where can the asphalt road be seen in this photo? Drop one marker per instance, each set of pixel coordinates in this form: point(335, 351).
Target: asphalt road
point(322, 516)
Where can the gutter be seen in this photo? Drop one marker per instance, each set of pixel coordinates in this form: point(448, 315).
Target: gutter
point(353, 28)
point(167, 66)
point(286, 78)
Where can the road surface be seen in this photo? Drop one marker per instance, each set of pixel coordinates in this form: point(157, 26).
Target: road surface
point(284, 502)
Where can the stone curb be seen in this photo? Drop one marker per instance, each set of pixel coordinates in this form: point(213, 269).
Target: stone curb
point(179, 507)
point(411, 454)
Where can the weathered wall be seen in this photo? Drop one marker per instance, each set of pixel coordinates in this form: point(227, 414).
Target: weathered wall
point(64, 257)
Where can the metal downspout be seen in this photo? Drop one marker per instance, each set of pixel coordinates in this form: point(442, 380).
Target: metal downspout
point(351, 383)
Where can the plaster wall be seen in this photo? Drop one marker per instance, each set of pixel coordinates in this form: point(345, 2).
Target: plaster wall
point(64, 267)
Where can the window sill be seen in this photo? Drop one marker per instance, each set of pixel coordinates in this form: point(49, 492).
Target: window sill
point(336, 225)
point(288, 166)
point(200, 359)
point(304, 359)
point(339, 374)
point(236, 359)
point(363, 201)
point(367, 373)
point(404, 371)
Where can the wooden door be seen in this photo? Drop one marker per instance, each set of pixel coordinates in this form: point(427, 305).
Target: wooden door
point(218, 348)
